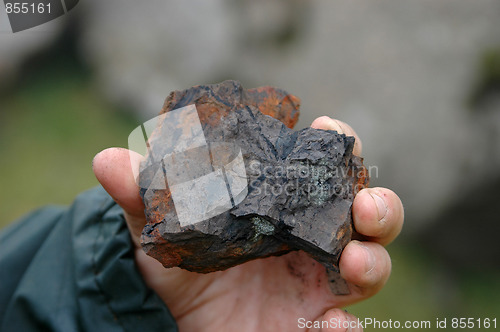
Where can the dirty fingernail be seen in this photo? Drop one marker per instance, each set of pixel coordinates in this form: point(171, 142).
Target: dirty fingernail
point(381, 207)
point(369, 258)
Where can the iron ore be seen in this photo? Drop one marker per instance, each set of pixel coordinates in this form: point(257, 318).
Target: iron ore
point(301, 184)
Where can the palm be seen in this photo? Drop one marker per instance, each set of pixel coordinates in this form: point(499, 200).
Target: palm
point(263, 295)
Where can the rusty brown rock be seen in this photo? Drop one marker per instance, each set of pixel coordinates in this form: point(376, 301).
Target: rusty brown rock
point(300, 185)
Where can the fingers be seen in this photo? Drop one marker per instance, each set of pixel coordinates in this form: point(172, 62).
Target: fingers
point(366, 265)
point(378, 214)
point(113, 169)
point(339, 321)
point(378, 217)
point(327, 123)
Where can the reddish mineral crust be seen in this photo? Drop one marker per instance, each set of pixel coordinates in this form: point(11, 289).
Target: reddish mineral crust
point(313, 172)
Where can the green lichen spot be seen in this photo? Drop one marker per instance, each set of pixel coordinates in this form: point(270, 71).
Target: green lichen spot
point(261, 227)
point(319, 180)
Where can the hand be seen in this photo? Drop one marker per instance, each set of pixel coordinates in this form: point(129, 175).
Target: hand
point(268, 294)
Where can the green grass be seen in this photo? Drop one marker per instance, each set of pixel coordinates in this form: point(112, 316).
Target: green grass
point(420, 289)
point(51, 127)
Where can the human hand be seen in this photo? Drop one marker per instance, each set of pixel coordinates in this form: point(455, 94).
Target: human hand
point(268, 294)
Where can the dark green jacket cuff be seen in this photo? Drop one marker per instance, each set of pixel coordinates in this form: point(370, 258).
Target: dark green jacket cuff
point(73, 270)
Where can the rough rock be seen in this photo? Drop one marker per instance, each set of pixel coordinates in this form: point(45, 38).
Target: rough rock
point(298, 186)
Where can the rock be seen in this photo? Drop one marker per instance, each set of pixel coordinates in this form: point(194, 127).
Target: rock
point(224, 183)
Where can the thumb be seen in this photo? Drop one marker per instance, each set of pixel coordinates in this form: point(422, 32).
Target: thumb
point(114, 168)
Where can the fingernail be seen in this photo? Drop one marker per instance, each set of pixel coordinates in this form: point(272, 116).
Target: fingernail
point(381, 207)
point(369, 258)
point(339, 124)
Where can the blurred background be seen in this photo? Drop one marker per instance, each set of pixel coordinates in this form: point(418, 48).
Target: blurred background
point(418, 81)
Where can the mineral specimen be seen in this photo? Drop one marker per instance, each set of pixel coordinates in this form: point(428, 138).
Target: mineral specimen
point(226, 181)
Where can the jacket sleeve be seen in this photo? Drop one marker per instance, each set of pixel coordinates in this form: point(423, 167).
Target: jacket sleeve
point(73, 270)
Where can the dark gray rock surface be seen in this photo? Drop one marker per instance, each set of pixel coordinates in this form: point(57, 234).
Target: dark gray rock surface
point(300, 186)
